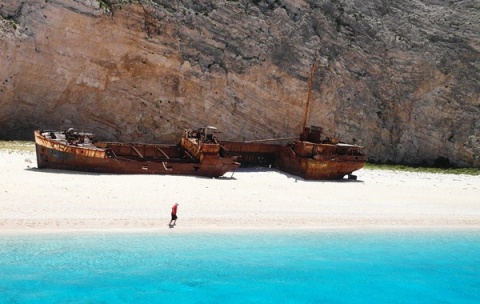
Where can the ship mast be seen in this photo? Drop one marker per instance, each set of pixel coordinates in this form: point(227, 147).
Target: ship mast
point(309, 96)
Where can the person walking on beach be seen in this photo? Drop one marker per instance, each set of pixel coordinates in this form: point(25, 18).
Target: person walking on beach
point(173, 221)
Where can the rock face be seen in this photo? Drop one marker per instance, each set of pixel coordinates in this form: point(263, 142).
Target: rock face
point(401, 78)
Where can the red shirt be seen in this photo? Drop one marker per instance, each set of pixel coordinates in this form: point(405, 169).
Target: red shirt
point(174, 209)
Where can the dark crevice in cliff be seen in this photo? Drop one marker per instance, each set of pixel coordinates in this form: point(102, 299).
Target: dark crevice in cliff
point(12, 15)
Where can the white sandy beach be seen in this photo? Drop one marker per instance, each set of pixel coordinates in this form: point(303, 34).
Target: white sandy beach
point(33, 200)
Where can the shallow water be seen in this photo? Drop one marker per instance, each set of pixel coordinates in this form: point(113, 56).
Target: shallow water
point(242, 267)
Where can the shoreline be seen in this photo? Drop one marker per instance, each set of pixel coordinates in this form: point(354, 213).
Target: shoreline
point(251, 230)
point(55, 201)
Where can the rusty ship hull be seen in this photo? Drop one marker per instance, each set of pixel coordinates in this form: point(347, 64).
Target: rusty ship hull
point(308, 160)
point(83, 153)
point(322, 165)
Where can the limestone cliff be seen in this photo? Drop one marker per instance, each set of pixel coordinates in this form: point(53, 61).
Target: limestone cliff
point(401, 78)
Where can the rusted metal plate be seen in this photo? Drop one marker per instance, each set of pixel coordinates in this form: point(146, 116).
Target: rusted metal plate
point(253, 154)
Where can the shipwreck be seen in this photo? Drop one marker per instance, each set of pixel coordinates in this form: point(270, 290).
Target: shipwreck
point(198, 153)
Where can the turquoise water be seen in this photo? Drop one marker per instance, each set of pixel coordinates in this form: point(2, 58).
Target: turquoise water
point(246, 267)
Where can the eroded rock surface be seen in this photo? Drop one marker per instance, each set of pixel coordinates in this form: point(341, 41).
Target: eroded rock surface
point(401, 78)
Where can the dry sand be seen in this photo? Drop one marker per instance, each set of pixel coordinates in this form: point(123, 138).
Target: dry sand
point(33, 200)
